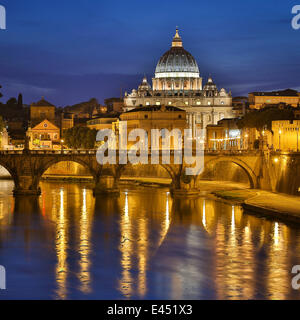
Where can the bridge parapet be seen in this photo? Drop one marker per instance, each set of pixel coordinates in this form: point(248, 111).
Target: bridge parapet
point(26, 168)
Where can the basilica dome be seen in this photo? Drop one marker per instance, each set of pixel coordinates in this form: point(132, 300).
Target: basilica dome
point(177, 62)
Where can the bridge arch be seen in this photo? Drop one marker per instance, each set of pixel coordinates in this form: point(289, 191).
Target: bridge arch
point(253, 179)
point(150, 170)
point(54, 161)
point(11, 171)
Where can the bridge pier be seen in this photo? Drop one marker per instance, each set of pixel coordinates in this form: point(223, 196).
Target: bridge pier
point(184, 186)
point(26, 186)
point(106, 185)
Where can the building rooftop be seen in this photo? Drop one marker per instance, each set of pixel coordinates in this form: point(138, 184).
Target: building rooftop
point(280, 93)
point(42, 103)
point(155, 108)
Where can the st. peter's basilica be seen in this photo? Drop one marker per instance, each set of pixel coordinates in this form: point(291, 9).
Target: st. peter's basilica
point(177, 82)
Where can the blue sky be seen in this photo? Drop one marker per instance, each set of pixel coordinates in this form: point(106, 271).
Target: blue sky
point(70, 51)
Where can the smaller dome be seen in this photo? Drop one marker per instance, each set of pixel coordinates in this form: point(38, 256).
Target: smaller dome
point(210, 85)
point(144, 86)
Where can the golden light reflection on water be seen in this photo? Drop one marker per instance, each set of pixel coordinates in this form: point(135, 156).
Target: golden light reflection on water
point(126, 249)
point(135, 240)
point(241, 256)
point(278, 275)
point(61, 246)
point(86, 219)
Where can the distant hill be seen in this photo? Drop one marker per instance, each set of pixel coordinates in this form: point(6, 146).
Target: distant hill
point(83, 107)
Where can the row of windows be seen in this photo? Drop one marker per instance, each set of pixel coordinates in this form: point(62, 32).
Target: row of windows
point(198, 103)
point(179, 116)
point(45, 136)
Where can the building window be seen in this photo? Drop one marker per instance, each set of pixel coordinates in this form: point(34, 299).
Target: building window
point(146, 116)
point(222, 102)
point(157, 103)
point(180, 116)
point(209, 103)
point(170, 102)
point(187, 103)
point(198, 103)
point(147, 103)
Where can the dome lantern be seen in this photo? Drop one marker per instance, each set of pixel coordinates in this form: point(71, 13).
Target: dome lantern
point(177, 41)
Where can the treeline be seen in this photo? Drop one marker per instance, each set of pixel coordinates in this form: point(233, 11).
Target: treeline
point(262, 119)
point(13, 108)
point(80, 138)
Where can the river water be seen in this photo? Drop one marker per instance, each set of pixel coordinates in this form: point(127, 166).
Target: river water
point(67, 244)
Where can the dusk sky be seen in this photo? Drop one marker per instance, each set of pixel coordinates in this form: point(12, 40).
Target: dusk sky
point(71, 51)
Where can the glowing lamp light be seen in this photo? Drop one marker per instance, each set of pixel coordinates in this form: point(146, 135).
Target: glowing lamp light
point(276, 160)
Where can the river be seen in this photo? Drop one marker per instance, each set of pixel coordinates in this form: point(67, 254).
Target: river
point(66, 244)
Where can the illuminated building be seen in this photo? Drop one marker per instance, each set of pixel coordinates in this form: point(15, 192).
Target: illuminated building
point(104, 121)
point(286, 135)
point(45, 135)
point(224, 136)
point(154, 117)
point(177, 82)
point(40, 111)
point(259, 100)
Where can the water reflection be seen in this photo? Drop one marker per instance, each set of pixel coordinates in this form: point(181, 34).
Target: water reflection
point(143, 244)
point(61, 246)
point(126, 248)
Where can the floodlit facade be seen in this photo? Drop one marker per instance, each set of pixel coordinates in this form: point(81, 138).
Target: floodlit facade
point(259, 100)
point(45, 135)
point(177, 82)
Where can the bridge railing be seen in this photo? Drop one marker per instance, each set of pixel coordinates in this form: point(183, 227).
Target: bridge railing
point(65, 151)
point(94, 151)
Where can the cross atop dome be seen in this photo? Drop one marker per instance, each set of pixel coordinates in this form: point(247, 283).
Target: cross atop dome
point(177, 42)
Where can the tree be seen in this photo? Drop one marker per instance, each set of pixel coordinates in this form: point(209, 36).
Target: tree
point(80, 137)
point(262, 119)
point(20, 101)
point(2, 124)
point(12, 103)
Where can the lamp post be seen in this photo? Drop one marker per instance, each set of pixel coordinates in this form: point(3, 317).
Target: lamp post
point(279, 138)
point(246, 144)
point(263, 139)
point(62, 145)
point(297, 129)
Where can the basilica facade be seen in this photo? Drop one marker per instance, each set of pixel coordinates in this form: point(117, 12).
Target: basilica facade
point(177, 82)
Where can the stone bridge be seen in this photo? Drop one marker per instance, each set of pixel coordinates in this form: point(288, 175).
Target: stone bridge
point(27, 167)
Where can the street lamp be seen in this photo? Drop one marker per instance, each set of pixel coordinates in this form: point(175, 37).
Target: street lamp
point(246, 144)
point(279, 138)
point(297, 129)
point(62, 145)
